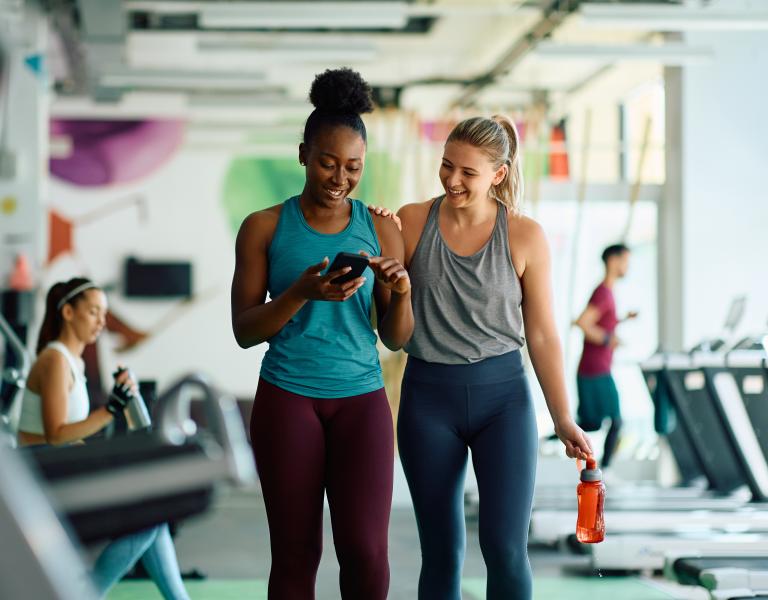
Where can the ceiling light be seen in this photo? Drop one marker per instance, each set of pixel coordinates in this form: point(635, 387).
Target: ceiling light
point(356, 50)
point(667, 54)
point(182, 80)
point(673, 17)
point(304, 15)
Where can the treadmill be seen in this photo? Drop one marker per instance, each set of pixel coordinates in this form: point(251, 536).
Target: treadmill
point(730, 504)
point(743, 386)
point(102, 493)
point(702, 450)
point(693, 481)
point(14, 378)
point(726, 436)
point(51, 497)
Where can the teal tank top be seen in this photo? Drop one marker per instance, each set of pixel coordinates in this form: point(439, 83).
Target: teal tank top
point(328, 349)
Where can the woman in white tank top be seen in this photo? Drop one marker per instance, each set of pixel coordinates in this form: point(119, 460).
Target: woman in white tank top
point(55, 411)
point(55, 404)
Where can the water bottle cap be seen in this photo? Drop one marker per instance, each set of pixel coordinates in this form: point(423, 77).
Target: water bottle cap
point(591, 473)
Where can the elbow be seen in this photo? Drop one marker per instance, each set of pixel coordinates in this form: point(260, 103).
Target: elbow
point(542, 341)
point(55, 438)
point(243, 340)
point(397, 341)
point(244, 343)
point(392, 345)
point(248, 342)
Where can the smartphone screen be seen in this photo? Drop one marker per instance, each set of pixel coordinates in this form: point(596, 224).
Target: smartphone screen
point(347, 259)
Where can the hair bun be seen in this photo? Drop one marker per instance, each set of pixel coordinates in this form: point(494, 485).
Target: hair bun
point(341, 91)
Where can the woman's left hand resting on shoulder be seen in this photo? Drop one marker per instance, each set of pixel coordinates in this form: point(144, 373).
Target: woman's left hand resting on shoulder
point(385, 212)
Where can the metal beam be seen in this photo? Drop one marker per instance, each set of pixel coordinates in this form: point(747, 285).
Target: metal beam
point(553, 16)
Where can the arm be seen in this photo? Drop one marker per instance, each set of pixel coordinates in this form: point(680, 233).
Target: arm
point(392, 289)
point(587, 322)
point(413, 218)
point(56, 380)
point(254, 320)
point(543, 342)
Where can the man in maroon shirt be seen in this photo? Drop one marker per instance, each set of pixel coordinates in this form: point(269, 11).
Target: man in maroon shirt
point(598, 397)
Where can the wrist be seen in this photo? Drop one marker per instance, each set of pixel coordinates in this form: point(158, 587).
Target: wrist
point(607, 338)
point(293, 294)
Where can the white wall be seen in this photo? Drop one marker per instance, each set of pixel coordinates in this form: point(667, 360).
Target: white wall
point(186, 221)
point(724, 161)
point(24, 130)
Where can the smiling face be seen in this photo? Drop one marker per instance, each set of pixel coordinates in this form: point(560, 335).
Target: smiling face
point(334, 164)
point(467, 174)
point(86, 317)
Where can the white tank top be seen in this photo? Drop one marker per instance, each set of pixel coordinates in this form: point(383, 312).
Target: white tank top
point(78, 404)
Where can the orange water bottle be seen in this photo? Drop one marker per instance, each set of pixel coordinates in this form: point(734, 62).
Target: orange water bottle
point(590, 525)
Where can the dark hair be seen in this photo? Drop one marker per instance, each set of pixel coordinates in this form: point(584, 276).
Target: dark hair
point(613, 250)
point(339, 96)
point(52, 321)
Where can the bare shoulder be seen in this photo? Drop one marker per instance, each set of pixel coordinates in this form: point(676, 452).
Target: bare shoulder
point(261, 219)
point(51, 359)
point(415, 212)
point(527, 242)
point(384, 225)
point(49, 363)
point(524, 229)
point(259, 225)
point(390, 237)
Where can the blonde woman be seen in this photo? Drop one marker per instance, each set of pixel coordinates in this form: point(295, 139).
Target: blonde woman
point(480, 275)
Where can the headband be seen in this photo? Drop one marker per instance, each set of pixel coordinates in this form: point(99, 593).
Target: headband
point(88, 285)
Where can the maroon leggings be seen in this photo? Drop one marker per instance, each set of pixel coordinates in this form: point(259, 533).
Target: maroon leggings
point(345, 448)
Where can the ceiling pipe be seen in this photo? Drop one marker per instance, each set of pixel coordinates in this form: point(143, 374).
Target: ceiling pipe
point(553, 16)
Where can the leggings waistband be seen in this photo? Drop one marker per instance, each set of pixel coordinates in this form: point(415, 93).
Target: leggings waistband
point(496, 369)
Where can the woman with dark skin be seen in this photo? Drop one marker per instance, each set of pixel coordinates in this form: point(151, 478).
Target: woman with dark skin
point(321, 422)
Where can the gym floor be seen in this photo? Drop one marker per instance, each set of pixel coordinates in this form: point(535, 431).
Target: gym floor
point(230, 544)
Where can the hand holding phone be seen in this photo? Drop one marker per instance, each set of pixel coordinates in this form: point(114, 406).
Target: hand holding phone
point(356, 262)
point(340, 281)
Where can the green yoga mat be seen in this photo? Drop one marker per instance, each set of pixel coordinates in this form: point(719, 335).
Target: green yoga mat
point(545, 588)
point(214, 589)
point(580, 588)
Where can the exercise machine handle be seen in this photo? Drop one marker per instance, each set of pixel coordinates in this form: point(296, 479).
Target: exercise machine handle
point(175, 425)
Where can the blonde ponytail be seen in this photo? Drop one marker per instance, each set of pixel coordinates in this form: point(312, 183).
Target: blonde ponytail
point(498, 138)
point(510, 189)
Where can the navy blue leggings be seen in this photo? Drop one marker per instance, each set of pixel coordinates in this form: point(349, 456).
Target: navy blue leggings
point(485, 407)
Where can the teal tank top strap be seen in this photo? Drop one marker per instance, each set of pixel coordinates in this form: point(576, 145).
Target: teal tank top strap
point(288, 215)
point(361, 214)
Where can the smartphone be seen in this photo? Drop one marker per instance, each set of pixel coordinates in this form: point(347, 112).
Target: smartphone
point(358, 262)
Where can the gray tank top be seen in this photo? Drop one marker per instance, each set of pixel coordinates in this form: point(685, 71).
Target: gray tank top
point(466, 308)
